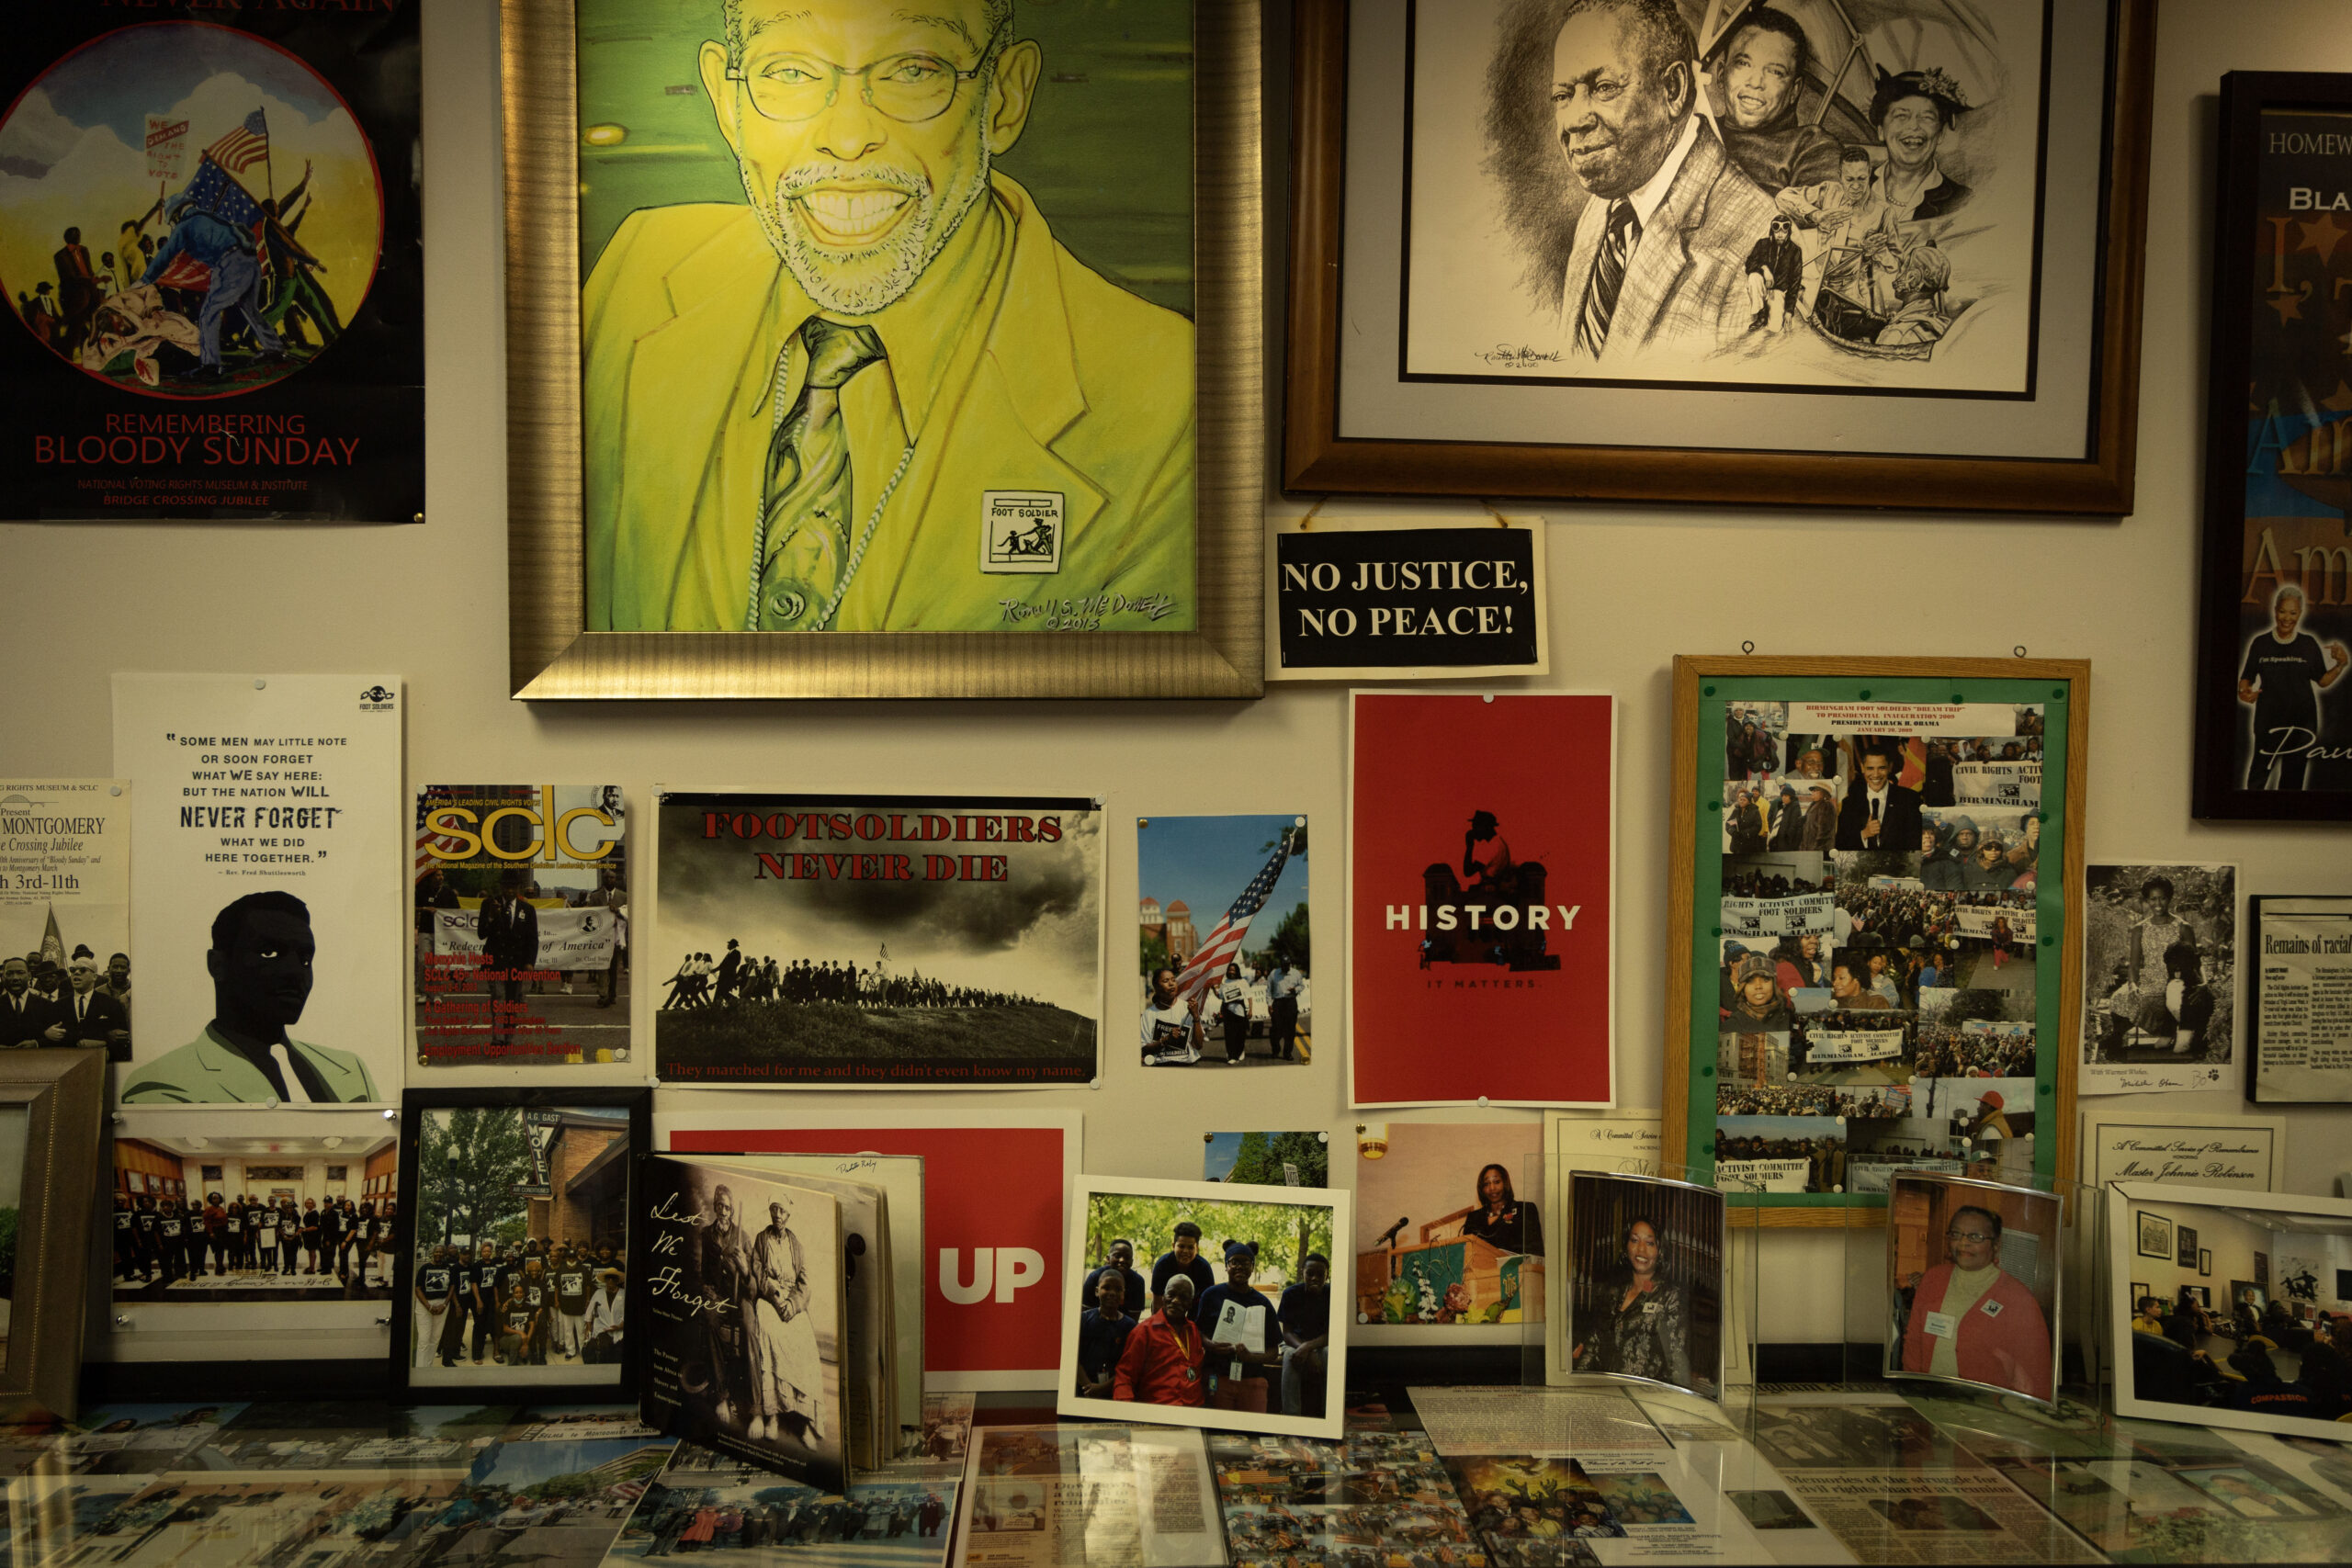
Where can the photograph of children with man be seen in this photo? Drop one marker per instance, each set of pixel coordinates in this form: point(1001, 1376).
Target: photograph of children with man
point(517, 1273)
point(1878, 936)
point(1234, 1314)
point(2158, 969)
point(287, 1205)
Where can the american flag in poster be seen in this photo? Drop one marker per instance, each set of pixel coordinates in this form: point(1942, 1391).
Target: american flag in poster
point(243, 147)
point(1208, 965)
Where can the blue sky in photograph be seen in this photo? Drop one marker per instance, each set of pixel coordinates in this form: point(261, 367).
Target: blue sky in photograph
point(1208, 860)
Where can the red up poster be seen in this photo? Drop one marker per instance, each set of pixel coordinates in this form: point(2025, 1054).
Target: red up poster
point(1481, 914)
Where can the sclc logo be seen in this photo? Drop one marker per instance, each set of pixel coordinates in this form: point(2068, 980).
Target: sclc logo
point(1010, 1269)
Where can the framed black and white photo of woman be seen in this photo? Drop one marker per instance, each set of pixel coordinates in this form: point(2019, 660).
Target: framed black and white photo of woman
point(1645, 1281)
point(1814, 252)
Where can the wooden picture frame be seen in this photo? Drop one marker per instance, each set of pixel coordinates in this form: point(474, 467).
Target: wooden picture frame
point(630, 1109)
point(1320, 456)
point(2275, 491)
point(553, 656)
point(62, 1094)
point(1705, 692)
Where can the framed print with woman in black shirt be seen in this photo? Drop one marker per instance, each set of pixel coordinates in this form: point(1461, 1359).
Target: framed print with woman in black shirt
point(1646, 1281)
point(513, 1269)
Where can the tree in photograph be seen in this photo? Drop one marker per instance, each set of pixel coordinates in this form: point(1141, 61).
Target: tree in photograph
point(1284, 1233)
point(1263, 1155)
point(1288, 947)
point(470, 1161)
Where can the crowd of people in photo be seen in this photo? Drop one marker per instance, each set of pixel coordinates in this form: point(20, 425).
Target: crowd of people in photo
point(1168, 1355)
point(1800, 816)
point(2274, 1361)
point(1901, 917)
point(1824, 1156)
point(1942, 1052)
point(519, 1303)
point(1747, 881)
point(252, 1239)
point(1957, 855)
point(1808, 1099)
point(691, 1519)
point(44, 1002)
point(736, 977)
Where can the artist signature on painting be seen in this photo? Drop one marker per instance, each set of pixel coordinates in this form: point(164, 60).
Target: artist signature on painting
point(1519, 358)
point(1087, 614)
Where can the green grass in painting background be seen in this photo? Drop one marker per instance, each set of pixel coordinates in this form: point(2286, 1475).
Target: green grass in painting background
point(1707, 878)
point(1108, 152)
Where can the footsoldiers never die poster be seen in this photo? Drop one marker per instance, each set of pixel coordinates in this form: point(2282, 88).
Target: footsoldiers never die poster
point(875, 941)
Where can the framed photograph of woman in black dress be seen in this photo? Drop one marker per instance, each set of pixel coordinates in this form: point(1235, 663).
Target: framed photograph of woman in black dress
point(1646, 1281)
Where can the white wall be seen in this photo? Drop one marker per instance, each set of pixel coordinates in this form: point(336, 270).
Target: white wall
point(1631, 589)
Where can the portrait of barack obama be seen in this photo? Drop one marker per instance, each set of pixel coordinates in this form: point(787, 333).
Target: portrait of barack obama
point(803, 411)
point(260, 963)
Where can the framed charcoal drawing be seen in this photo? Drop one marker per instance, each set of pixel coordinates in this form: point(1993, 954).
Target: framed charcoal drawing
point(941, 419)
point(1870, 968)
point(1885, 254)
point(2274, 710)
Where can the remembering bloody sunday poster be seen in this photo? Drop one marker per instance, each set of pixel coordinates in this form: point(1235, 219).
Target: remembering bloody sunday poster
point(209, 235)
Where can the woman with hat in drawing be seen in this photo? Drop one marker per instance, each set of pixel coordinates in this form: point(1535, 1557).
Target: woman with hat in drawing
point(1911, 110)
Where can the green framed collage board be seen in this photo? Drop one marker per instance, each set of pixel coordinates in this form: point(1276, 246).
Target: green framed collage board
point(1871, 963)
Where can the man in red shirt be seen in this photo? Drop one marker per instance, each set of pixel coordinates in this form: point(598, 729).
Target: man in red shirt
point(1162, 1363)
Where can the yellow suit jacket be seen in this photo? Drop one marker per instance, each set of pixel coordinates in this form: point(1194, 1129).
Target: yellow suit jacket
point(1071, 385)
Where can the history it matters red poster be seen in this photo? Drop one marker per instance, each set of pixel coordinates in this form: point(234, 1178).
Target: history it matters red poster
point(1481, 915)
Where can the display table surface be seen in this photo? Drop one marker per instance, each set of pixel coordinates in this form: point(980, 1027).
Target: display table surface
point(1485, 1478)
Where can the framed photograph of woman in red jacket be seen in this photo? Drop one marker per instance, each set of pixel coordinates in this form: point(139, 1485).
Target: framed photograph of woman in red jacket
point(1973, 1283)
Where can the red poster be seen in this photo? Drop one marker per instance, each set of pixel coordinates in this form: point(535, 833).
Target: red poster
point(992, 1223)
point(1481, 869)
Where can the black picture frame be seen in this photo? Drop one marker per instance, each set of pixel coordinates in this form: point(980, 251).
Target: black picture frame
point(2239, 395)
point(2205, 1268)
point(2184, 1239)
point(2147, 1236)
point(2256, 906)
point(637, 1101)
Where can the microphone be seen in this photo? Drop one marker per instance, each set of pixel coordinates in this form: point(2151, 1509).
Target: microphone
point(1390, 1235)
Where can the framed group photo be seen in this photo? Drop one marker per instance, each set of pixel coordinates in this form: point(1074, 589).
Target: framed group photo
point(1799, 251)
point(1870, 970)
point(1234, 1327)
point(999, 432)
point(512, 1278)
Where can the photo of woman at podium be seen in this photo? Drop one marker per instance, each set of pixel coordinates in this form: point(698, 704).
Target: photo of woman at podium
point(1500, 1219)
point(1645, 1296)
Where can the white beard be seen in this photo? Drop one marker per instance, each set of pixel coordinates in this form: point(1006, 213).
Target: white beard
point(859, 283)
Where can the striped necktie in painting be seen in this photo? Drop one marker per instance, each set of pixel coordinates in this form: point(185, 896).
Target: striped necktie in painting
point(807, 518)
point(1608, 278)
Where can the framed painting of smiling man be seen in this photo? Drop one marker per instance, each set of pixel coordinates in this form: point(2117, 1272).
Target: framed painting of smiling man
point(1877, 222)
point(880, 376)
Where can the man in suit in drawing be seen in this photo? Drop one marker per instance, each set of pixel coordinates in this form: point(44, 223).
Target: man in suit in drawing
point(1878, 814)
point(1659, 260)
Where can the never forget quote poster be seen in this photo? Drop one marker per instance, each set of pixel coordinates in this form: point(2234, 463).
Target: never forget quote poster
point(1481, 859)
point(264, 895)
point(875, 941)
point(212, 242)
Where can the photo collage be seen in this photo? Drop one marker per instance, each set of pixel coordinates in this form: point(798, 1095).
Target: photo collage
point(1877, 941)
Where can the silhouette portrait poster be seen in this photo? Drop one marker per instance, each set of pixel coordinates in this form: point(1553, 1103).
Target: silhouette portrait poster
point(875, 941)
point(1481, 915)
point(212, 242)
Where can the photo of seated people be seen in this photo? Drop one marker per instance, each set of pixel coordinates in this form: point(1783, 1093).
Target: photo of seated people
point(2280, 1350)
point(1448, 1228)
point(1645, 1285)
point(200, 1217)
point(1233, 1314)
point(2158, 962)
point(519, 1274)
point(1973, 1283)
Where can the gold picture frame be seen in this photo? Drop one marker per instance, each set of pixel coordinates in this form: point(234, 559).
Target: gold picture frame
point(552, 657)
point(62, 1093)
point(1703, 686)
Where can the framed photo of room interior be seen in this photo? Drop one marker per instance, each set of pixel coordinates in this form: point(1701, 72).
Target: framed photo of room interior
point(853, 351)
point(1833, 253)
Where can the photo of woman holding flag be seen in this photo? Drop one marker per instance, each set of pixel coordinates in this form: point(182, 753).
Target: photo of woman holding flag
point(1244, 979)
